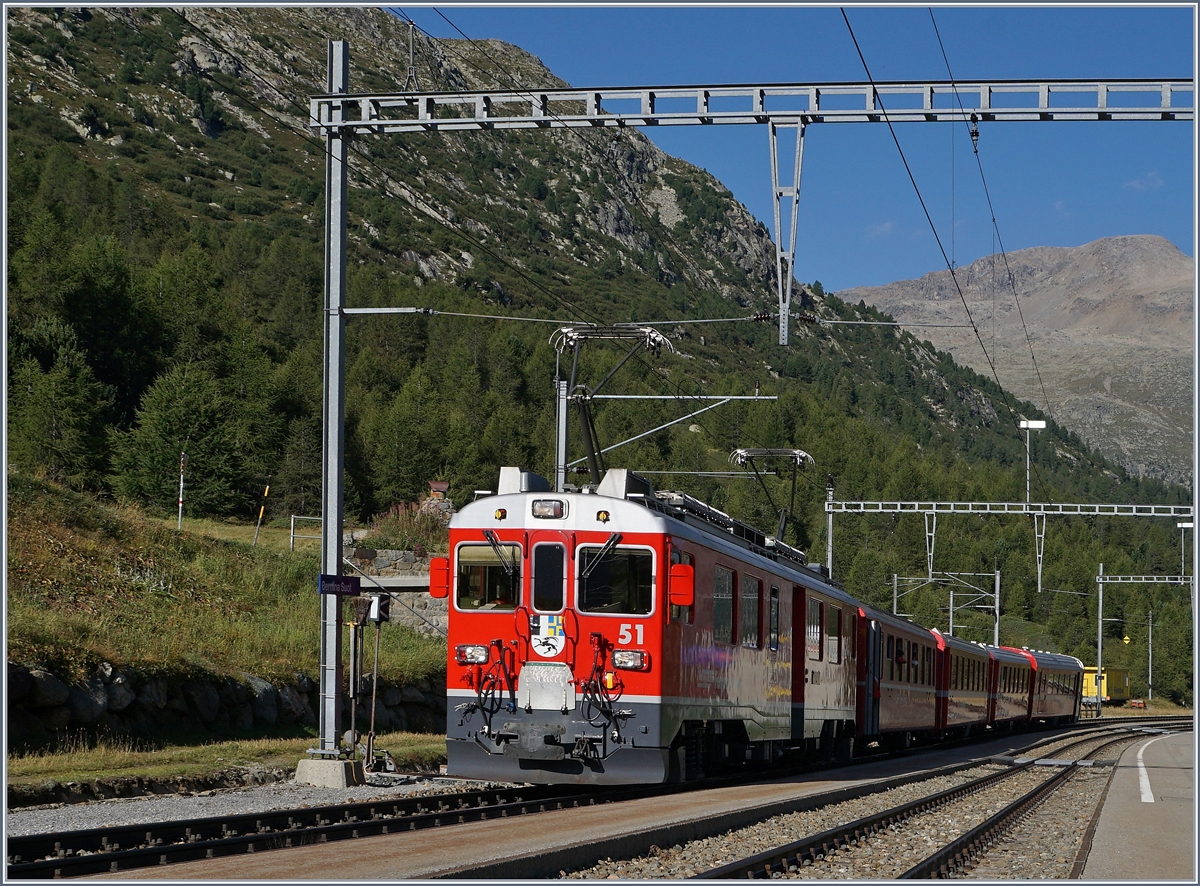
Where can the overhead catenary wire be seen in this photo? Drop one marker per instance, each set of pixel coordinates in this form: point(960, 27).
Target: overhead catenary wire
point(933, 227)
point(995, 230)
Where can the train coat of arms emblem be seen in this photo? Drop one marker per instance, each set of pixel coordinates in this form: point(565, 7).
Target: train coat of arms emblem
point(546, 635)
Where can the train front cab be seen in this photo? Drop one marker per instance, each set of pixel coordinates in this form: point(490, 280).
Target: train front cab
point(896, 687)
point(554, 672)
point(962, 685)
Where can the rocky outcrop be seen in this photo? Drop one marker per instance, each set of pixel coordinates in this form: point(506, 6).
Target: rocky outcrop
point(41, 707)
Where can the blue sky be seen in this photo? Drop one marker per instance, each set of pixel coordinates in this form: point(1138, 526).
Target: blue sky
point(1052, 184)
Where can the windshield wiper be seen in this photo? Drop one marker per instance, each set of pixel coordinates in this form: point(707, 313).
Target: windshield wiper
point(613, 541)
point(509, 565)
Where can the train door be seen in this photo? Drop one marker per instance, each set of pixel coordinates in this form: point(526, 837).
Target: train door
point(874, 655)
point(799, 660)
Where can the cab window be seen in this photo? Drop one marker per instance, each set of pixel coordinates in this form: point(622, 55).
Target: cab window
point(484, 581)
point(619, 582)
point(549, 577)
point(684, 614)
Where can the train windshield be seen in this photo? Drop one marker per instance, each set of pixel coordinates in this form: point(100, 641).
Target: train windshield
point(619, 580)
point(488, 577)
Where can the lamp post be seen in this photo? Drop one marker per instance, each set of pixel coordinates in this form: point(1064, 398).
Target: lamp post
point(1029, 425)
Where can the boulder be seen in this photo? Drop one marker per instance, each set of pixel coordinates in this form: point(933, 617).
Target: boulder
point(57, 717)
point(413, 695)
point(296, 706)
point(154, 694)
point(120, 692)
point(86, 703)
point(305, 683)
point(20, 684)
point(203, 696)
point(390, 695)
point(264, 700)
point(48, 690)
point(241, 717)
point(24, 728)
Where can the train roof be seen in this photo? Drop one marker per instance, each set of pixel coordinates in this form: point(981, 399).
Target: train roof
point(972, 648)
point(632, 503)
point(1042, 659)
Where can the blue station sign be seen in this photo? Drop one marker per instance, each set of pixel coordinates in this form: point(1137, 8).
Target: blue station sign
point(342, 585)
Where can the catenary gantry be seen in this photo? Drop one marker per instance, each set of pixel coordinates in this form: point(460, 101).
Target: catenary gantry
point(1037, 510)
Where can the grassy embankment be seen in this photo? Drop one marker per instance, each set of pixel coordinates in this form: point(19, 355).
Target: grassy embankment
point(92, 581)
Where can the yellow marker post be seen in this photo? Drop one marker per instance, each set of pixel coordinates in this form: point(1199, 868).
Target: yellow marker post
point(260, 516)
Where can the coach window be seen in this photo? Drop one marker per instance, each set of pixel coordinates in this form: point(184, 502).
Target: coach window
point(833, 635)
point(750, 611)
point(773, 630)
point(890, 652)
point(684, 614)
point(549, 577)
point(723, 605)
point(816, 610)
point(488, 577)
point(618, 581)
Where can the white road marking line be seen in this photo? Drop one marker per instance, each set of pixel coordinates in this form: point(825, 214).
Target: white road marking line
point(1143, 777)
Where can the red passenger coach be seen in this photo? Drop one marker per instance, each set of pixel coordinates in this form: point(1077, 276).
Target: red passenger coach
point(962, 685)
point(1057, 687)
point(896, 684)
point(1011, 687)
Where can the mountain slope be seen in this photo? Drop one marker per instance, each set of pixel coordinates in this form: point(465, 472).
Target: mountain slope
point(1110, 325)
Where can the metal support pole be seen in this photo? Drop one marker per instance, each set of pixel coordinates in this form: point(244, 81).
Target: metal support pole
point(182, 468)
point(1039, 531)
point(561, 407)
point(1099, 638)
point(895, 593)
point(950, 630)
point(785, 259)
point(829, 526)
point(930, 538)
point(1150, 657)
point(332, 495)
point(1027, 443)
point(996, 630)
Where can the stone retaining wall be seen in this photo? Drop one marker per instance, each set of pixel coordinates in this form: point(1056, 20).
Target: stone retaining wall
point(122, 702)
point(415, 607)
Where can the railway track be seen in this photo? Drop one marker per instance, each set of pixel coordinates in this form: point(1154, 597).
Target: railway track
point(846, 850)
point(106, 850)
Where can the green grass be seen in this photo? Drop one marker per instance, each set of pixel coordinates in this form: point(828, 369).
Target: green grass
point(80, 759)
point(91, 581)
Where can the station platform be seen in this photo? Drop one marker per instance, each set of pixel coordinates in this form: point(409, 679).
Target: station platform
point(1147, 829)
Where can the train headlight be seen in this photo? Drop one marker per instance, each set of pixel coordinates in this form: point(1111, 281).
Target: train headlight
point(469, 654)
point(631, 659)
point(548, 508)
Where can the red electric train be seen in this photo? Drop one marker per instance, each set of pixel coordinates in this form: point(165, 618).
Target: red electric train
point(621, 634)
